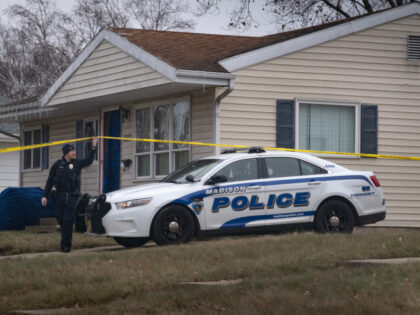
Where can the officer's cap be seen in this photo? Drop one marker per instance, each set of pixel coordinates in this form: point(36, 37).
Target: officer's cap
point(67, 148)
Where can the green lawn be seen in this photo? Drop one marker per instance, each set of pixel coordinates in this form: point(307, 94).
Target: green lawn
point(19, 242)
point(302, 273)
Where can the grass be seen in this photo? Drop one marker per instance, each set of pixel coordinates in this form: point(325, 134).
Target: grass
point(303, 273)
point(19, 242)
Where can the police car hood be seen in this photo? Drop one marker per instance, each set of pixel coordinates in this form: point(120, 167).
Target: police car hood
point(147, 190)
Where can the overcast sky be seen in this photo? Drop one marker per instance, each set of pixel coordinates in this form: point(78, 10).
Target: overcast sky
point(209, 24)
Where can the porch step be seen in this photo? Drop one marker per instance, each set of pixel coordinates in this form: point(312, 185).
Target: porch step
point(41, 229)
point(48, 222)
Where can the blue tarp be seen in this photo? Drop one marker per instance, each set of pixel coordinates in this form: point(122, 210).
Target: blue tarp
point(20, 207)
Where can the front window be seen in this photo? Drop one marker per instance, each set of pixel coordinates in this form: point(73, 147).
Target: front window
point(327, 127)
point(197, 169)
point(32, 157)
point(162, 122)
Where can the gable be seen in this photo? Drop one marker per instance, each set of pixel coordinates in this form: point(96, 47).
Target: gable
point(107, 70)
point(349, 27)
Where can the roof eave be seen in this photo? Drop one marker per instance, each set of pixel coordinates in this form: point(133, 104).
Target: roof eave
point(175, 75)
point(306, 41)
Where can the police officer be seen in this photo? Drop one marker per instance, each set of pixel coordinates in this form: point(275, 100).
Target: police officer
point(65, 176)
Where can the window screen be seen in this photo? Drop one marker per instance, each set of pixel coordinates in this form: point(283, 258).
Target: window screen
point(327, 127)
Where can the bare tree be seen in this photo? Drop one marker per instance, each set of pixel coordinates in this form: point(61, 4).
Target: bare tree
point(160, 14)
point(36, 48)
point(40, 40)
point(292, 14)
point(91, 16)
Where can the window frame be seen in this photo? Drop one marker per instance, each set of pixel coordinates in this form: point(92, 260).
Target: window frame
point(357, 122)
point(152, 153)
point(31, 129)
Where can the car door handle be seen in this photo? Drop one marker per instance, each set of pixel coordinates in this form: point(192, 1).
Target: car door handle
point(314, 183)
point(254, 188)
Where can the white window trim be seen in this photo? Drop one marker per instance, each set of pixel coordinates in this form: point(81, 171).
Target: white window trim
point(151, 105)
point(27, 170)
point(356, 105)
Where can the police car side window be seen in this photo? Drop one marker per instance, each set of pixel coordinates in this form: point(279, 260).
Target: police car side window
point(240, 170)
point(282, 167)
point(310, 169)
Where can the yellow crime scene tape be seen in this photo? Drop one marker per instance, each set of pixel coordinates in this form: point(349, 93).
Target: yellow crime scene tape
point(34, 146)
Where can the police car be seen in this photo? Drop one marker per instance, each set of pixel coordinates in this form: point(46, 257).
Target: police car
point(240, 192)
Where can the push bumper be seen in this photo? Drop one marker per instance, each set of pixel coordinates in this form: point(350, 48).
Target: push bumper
point(89, 212)
point(372, 218)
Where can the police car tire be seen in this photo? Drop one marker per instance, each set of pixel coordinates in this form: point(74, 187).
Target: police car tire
point(337, 208)
point(131, 242)
point(161, 230)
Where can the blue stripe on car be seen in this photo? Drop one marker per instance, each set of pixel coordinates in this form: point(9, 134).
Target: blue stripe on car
point(241, 222)
point(187, 199)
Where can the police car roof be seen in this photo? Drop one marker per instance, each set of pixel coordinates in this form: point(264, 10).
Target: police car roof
point(239, 155)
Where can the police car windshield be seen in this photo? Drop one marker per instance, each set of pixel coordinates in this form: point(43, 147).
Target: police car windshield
point(195, 168)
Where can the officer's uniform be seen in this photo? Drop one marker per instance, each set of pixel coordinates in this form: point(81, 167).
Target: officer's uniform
point(65, 176)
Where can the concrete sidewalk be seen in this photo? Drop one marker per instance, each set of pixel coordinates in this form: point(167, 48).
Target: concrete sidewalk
point(73, 252)
point(390, 261)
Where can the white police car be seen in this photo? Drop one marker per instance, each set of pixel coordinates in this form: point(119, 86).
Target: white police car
point(241, 192)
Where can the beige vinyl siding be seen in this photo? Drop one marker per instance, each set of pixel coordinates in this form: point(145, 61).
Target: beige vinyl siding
point(62, 129)
point(108, 70)
point(9, 164)
point(202, 130)
point(369, 67)
point(202, 122)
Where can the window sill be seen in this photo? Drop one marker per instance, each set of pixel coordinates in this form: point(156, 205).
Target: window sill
point(31, 170)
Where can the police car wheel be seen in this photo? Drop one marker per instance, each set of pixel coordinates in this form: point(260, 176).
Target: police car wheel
point(131, 242)
point(334, 216)
point(173, 225)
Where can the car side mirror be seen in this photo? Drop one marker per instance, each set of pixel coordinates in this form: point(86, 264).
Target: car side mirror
point(190, 178)
point(216, 179)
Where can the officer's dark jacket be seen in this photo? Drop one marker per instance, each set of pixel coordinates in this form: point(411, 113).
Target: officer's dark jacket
point(65, 176)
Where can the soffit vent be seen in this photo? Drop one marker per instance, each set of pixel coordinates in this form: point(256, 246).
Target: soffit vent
point(413, 47)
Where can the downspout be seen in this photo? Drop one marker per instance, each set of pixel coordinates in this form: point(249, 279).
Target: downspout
point(217, 118)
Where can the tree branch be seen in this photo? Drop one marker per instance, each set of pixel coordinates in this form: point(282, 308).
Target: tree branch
point(336, 8)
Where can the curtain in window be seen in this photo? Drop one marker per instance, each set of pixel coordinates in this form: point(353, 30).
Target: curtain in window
point(327, 127)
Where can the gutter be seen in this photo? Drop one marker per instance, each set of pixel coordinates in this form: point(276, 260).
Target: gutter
point(10, 135)
point(217, 109)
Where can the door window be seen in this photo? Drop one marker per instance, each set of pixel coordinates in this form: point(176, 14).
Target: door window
point(282, 167)
point(240, 170)
point(287, 167)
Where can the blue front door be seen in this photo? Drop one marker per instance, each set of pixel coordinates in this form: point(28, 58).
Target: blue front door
point(112, 128)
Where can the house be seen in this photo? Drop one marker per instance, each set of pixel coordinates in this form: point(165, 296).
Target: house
point(9, 162)
point(349, 86)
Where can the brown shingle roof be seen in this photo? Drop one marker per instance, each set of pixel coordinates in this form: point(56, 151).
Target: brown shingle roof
point(202, 52)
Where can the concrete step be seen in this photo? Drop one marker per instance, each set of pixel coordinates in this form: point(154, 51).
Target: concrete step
point(48, 222)
point(41, 229)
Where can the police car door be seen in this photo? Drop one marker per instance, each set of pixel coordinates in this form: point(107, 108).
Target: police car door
point(292, 191)
point(240, 201)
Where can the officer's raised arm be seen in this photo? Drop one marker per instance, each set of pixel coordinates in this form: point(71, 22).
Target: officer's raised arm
point(89, 160)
